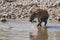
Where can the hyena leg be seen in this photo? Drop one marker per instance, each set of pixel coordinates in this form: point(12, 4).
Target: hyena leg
point(39, 19)
point(39, 24)
point(45, 22)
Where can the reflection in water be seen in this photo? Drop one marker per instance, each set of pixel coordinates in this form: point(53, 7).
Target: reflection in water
point(18, 31)
point(41, 35)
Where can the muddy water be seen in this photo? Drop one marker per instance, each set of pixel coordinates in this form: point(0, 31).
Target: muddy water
point(52, 32)
point(16, 30)
point(23, 30)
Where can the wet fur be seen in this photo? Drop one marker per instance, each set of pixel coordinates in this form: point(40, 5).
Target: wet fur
point(41, 14)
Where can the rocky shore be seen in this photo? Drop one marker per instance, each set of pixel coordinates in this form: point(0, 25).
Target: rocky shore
point(17, 9)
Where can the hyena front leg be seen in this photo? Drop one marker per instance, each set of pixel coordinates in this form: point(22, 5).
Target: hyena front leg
point(39, 24)
point(38, 18)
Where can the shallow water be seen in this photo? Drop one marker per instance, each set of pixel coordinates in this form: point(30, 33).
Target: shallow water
point(23, 30)
point(16, 30)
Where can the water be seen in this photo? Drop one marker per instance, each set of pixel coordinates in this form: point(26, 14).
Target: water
point(23, 30)
point(16, 30)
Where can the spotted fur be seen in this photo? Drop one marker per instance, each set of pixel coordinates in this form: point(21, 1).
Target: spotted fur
point(41, 14)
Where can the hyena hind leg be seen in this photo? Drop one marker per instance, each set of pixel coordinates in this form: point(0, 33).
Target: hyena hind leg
point(45, 23)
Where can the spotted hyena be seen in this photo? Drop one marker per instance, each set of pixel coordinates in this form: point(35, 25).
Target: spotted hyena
point(41, 14)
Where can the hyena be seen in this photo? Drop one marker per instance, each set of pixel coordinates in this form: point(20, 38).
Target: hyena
point(41, 14)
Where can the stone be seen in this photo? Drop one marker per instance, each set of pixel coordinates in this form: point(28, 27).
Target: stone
point(3, 20)
point(10, 0)
point(59, 19)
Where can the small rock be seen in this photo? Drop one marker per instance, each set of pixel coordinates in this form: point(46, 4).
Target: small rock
point(19, 16)
point(34, 21)
point(55, 18)
point(23, 16)
point(53, 14)
point(59, 19)
point(26, 13)
point(3, 20)
point(50, 19)
point(26, 16)
point(10, 0)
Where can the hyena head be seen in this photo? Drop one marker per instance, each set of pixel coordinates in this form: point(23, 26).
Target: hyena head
point(32, 17)
point(34, 13)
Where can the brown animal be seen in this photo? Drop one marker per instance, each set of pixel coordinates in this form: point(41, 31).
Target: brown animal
point(41, 14)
